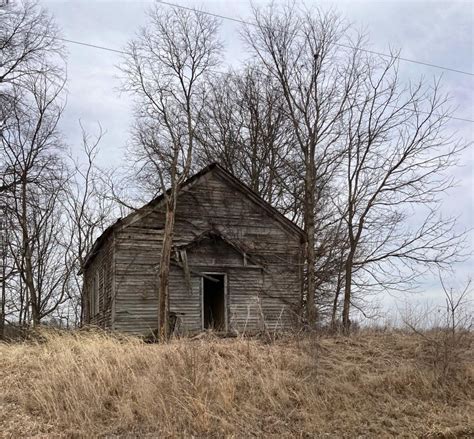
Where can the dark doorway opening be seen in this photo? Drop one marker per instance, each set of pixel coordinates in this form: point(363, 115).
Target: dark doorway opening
point(214, 302)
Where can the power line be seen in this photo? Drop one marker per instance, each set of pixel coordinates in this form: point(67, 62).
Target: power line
point(237, 20)
point(94, 46)
point(386, 55)
point(123, 52)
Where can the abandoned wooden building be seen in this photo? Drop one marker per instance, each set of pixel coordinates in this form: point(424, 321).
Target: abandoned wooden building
point(237, 262)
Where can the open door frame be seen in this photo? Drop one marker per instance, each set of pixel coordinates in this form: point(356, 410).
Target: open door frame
point(211, 273)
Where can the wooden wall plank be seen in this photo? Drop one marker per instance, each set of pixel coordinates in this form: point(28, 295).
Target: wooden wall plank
point(257, 298)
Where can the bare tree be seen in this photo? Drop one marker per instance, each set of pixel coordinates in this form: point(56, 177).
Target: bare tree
point(33, 174)
point(302, 50)
point(396, 169)
point(89, 210)
point(28, 47)
point(168, 72)
point(30, 147)
point(247, 132)
point(28, 42)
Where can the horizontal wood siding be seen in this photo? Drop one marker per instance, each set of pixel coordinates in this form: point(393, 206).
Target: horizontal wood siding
point(245, 307)
point(186, 302)
point(99, 276)
point(137, 255)
point(264, 287)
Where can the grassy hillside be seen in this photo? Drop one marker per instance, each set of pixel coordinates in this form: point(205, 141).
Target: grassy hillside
point(366, 385)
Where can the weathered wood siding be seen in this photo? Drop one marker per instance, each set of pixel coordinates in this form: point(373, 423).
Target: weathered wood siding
point(263, 290)
point(137, 254)
point(186, 303)
point(98, 279)
point(260, 256)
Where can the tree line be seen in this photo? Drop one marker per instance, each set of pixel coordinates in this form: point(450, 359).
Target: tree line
point(323, 130)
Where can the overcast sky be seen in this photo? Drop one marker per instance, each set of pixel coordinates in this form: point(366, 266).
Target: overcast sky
point(436, 32)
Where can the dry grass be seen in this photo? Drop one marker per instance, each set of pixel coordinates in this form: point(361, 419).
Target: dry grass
point(368, 385)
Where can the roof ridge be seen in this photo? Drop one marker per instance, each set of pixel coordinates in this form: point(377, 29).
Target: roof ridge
point(210, 167)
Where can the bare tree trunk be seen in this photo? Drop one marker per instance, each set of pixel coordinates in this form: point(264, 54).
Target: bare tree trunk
point(2, 312)
point(347, 293)
point(163, 292)
point(27, 263)
point(22, 302)
point(310, 229)
point(336, 300)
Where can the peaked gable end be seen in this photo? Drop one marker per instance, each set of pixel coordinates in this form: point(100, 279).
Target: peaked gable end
point(212, 171)
point(215, 171)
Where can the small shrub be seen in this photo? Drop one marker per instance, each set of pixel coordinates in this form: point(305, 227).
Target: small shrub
point(446, 336)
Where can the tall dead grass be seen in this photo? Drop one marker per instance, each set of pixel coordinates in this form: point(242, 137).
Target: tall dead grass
point(93, 384)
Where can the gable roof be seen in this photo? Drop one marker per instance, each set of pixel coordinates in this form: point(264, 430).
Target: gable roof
point(222, 172)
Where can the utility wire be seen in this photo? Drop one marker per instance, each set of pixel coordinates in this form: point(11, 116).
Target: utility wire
point(386, 55)
point(237, 20)
point(94, 46)
point(123, 52)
